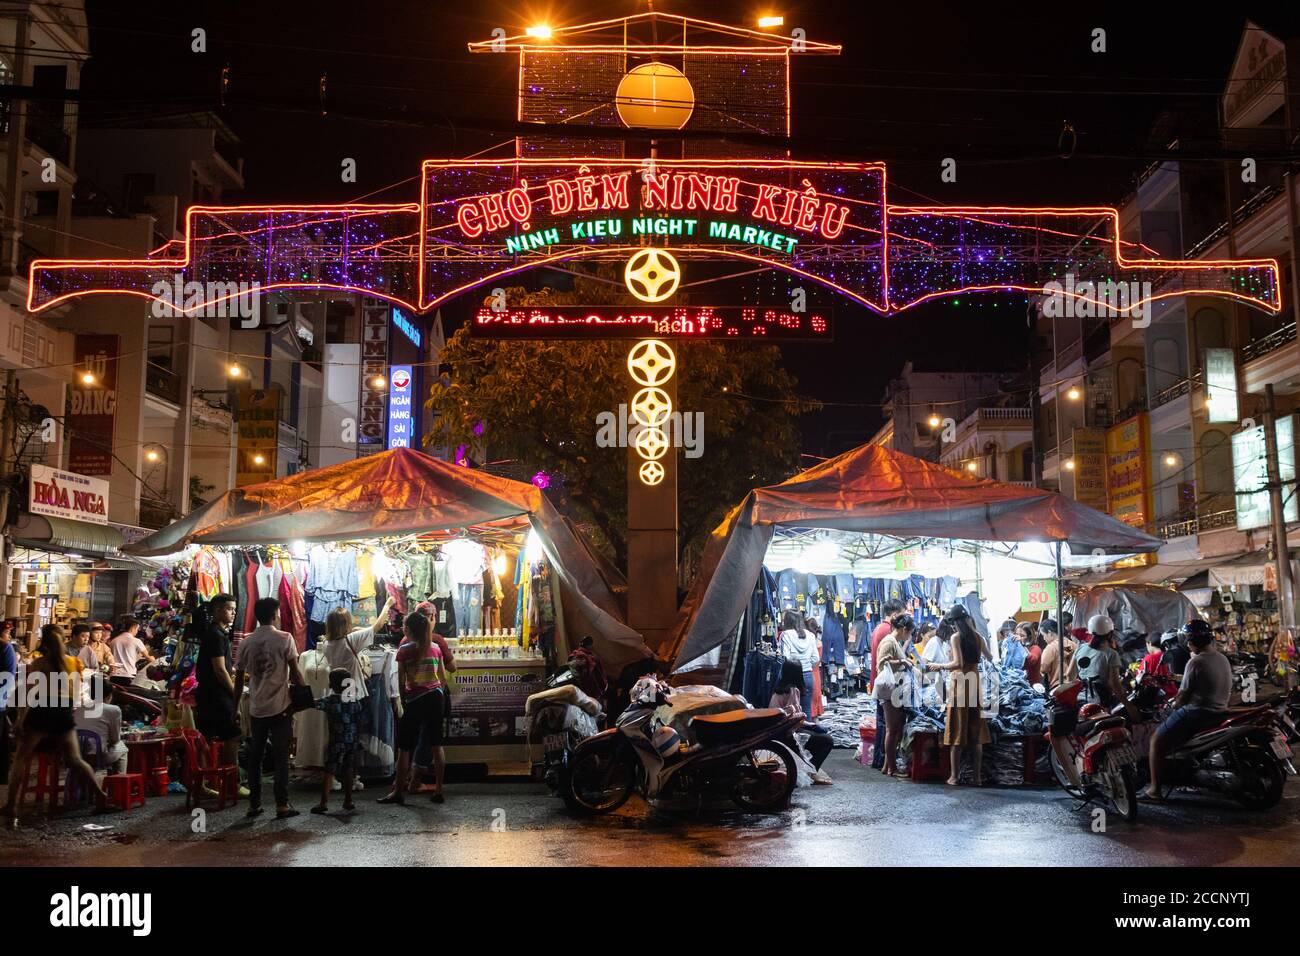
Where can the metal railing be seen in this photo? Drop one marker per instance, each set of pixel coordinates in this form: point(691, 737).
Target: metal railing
point(155, 513)
point(162, 383)
point(1269, 343)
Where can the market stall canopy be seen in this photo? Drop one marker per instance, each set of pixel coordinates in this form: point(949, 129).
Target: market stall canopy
point(406, 492)
point(873, 489)
point(1250, 568)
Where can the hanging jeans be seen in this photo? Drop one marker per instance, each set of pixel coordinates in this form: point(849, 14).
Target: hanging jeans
point(279, 730)
point(468, 606)
point(807, 699)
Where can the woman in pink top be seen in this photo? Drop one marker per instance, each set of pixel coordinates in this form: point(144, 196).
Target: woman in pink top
point(422, 675)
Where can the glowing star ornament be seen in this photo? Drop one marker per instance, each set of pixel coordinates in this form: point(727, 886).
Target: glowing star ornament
point(654, 96)
point(651, 362)
point(651, 407)
point(651, 443)
point(652, 473)
point(652, 275)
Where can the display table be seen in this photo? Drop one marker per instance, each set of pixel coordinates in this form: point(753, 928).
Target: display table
point(487, 708)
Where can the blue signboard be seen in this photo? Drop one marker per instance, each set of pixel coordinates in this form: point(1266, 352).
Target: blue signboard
point(401, 391)
point(407, 327)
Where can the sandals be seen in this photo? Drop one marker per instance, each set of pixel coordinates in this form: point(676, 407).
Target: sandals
point(286, 814)
point(320, 808)
point(1145, 795)
point(396, 798)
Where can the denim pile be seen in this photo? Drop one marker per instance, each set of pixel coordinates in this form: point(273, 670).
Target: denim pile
point(1003, 764)
point(1022, 711)
point(842, 717)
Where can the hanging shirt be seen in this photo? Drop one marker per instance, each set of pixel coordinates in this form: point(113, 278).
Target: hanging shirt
point(466, 561)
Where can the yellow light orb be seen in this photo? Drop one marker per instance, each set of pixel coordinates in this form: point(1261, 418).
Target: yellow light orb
point(651, 443)
point(654, 96)
point(651, 407)
point(651, 362)
point(652, 473)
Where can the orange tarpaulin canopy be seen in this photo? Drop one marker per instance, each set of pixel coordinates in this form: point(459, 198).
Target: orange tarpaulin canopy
point(401, 492)
point(876, 490)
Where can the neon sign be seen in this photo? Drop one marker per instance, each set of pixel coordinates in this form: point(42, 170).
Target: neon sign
point(481, 221)
point(407, 327)
point(737, 323)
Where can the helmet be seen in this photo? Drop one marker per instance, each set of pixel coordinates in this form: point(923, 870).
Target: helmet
point(1168, 639)
point(1101, 625)
point(666, 740)
point(1196, 626)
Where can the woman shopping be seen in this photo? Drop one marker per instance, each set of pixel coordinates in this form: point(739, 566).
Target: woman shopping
point(800, 646)
point(891, 668)
point(963, 725)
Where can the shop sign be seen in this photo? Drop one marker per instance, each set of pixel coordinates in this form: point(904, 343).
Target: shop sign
point(1220, 386)
point(731, 323)
point(488, 703)
point(1128, 472)
point(408, 328)
point(401, 388)
point(92, 406)
point(1250, 475)
point(63, 494)
point(374, 362)
point(259, 433)
point(1038, 595)
point(907, 559)
point(1090, 467)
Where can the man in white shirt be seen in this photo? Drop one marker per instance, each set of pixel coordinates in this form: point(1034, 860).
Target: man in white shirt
point(127, 650)
point(106, 721)
point(269, 660)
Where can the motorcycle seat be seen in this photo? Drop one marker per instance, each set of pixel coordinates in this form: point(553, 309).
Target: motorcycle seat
point(712, 729)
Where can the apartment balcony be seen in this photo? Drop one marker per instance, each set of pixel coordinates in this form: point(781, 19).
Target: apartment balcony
point(162, 383)
point(156, 513)
point(1269, 343)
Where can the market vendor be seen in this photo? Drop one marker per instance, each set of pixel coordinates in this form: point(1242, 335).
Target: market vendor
point(1057, 645)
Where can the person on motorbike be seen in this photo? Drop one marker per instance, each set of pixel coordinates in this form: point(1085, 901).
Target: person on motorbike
point(1176, 655)
point(1099, 664)
point(1202, 702)
point(1154, 666)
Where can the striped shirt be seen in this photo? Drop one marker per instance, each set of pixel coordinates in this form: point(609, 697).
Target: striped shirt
point(419, 675)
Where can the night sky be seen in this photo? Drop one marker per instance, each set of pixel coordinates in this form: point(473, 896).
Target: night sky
point(990, 86)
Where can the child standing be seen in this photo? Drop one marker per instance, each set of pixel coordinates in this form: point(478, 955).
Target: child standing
point(343, 708)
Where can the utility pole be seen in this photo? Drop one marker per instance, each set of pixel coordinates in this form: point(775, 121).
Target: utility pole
point(1281, 553)
point(8, 430)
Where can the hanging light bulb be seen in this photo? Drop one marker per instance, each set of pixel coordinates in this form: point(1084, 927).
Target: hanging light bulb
point(1069, 464)
point(1073, 394)
point(87, 378)
point(934, 420)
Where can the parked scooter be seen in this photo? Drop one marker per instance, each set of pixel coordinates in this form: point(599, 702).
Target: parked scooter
point(1102, 752)
point(1246, 757)
point(747, 754)
point(557, 724)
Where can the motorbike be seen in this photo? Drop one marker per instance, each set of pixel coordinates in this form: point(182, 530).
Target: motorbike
point(1246, 757)
point(749, 754)
point(1102, 752)
point(557, 726)
point(1287, 712)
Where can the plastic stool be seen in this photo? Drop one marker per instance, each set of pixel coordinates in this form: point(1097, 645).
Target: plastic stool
point(158, 781)
point(929, 759)
point(125, 790)
point(47, 779)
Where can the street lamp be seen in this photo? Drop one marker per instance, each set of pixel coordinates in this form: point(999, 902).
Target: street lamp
point(539, 32)
point(934, 420)
point(235, 370)
point(1073, 394)
point(378, 381)
point(1069, 464)
point(765, 22)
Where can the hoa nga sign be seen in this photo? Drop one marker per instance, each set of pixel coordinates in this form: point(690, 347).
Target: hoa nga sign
point(62, 494)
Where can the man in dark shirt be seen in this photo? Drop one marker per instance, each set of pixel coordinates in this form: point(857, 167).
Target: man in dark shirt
point(1202, 701)
point(215, 714)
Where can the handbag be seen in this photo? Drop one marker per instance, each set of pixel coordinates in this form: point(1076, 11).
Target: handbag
point(300, 698)
point(883, 688)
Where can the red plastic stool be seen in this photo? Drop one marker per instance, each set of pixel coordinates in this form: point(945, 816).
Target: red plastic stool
point(159, 781)
point(125, 790)
point(47, 778)
point(929, 759)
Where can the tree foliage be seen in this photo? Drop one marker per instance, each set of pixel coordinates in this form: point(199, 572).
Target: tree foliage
point(538, 403)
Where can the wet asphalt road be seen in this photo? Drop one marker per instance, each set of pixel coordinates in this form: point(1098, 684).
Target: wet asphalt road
point(863, 819)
